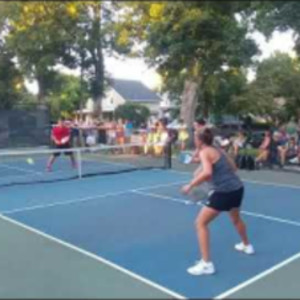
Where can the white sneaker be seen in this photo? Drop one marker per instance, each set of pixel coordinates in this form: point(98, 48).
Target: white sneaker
point(202, 268)
point(243, 248)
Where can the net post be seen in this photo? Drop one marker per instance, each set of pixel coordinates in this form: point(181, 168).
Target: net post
point(168, 155)
point(79, 163)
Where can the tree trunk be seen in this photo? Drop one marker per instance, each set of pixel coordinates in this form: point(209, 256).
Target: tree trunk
point(97, 107)
point(189, 102)
point(97, 57)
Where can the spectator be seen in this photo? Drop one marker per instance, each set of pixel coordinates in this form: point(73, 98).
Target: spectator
point(102, 137)
point(238, 143)
point(281, 139)
point(276, 144)
point(225, 143)
point(150, 140)
point(183, 135)
point(264, 148)
point(91, 132)
point(291, 128)
point(128, 130)
point(291, 152)
point(75, 133)
point(161, 138)
point(120, 132)
point(283, 135)
point(111, 133)
point(198, 125)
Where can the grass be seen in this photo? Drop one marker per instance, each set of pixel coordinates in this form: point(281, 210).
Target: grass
point(251, 152)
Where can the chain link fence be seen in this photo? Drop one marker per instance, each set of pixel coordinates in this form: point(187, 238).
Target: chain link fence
point(24, 127)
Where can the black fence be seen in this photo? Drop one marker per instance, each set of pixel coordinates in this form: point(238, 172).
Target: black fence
point(24, 128)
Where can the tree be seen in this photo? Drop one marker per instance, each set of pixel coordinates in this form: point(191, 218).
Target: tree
point(269, 16)
point(11, 82)
point(74, 34)
point(37, 39)
point(134, 112)
point(66, 96)
point(278, 15)
point(193, 40)
point(221, 90)
point(275, 91)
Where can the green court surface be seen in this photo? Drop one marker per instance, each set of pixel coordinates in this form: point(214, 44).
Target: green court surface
point(282, 284)
point(281, 281)
point(35, 266)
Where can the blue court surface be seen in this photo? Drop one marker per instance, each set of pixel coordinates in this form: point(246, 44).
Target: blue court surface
point(140, 225)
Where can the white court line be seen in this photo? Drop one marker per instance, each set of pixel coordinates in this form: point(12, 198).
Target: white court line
point(248, 213)
point(18, 176)
point(258, 277)
point(20, 169)
point(53, 173)
point(95, 257)
point(178, 200)
point(160, 185)
point(250, 181)
point(35, 176)
point(36, 173)
point(61, 203)
point(273, 184)
point(140, 191)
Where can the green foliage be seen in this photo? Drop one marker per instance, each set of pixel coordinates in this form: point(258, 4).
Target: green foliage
point(277, 15)
point(137, 113)
point(251, 152)
point(276, 90)
point(11, 82)
point(188, 40)
point(45, 33)
point(38, 40)
point(66, 96)
point(221, 89)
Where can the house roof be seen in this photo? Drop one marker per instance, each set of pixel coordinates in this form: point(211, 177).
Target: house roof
point(133, 90)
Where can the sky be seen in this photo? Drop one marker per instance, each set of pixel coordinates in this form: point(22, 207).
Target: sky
point(137, 69)
point(283, 42)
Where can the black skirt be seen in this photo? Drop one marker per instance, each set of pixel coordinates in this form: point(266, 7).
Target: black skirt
point(225, 201)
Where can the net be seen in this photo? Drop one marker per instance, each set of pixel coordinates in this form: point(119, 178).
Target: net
point(28, 167)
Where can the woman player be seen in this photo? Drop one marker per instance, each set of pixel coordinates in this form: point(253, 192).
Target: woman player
point(227, 194)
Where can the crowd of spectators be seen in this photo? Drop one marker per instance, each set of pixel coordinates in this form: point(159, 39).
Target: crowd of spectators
point(279, 145)
point(153, 135)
